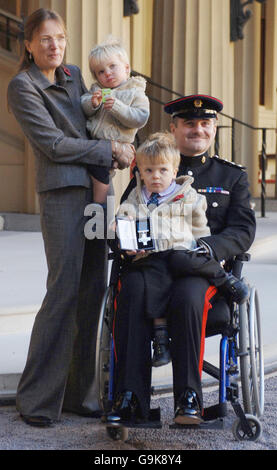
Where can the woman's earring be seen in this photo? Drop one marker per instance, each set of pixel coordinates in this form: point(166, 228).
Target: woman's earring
point(30, 56)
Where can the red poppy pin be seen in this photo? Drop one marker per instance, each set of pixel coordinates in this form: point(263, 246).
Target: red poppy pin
point(67, 71)
point(180, 196)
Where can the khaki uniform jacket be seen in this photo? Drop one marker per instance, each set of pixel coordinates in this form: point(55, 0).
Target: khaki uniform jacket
point(177, 222)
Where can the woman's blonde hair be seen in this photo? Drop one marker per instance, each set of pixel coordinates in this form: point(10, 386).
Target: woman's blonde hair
point(159, 147)
point(111, 46)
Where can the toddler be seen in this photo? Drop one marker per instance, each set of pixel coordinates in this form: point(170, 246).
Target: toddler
point(178, 222)
point(116, 105)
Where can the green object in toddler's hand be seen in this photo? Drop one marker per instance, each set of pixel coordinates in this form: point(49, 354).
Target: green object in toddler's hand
point(106, 93)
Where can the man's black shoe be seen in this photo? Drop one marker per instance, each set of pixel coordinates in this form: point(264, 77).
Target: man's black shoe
point(237, 289)
point(188, 409)
point(38, 421)
point(125, 409)
point(161, 354)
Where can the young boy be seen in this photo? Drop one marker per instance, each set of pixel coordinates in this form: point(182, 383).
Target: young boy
point(116, 105)
point(178, 221)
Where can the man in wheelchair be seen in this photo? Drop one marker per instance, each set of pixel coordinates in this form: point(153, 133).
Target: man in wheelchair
point(186, 299)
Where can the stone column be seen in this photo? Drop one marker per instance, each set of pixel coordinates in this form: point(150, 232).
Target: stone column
point(246, 97)
point(192, 53)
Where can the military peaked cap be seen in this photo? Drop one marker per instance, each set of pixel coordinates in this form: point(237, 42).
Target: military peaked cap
point(194, 106)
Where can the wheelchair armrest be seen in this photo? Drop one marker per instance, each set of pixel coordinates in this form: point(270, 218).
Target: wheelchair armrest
point(243, 257)
point(118, 260)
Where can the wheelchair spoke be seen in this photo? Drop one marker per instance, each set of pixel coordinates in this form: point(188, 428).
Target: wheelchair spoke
point(103, 347)
point(251, 356)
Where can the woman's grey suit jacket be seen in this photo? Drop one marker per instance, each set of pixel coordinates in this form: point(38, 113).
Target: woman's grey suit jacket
point(56, 127)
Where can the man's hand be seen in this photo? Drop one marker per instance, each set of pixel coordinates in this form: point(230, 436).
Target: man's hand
point(204, 248)
point(134, 252)
point(123, 155)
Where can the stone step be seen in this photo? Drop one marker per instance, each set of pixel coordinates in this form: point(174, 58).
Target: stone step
point(19, 222)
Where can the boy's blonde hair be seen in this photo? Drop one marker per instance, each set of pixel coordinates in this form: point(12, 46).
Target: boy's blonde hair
point(159, 147)
point(111, 46)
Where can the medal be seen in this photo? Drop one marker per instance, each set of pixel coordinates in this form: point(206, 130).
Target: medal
point(213, 189)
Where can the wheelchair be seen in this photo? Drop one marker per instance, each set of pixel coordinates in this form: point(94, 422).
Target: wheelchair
point(240, 361)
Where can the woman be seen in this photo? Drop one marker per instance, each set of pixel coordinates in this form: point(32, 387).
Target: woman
point(45, 99)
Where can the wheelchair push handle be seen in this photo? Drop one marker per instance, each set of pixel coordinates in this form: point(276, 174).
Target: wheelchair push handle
point(237, 263)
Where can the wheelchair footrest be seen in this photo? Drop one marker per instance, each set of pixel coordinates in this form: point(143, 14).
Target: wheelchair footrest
point(215, 411)
point(216, 424)
point(142, 425)
point(154, 421)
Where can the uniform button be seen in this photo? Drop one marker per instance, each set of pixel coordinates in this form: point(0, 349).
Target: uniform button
point(190, 173)
point(215, 204)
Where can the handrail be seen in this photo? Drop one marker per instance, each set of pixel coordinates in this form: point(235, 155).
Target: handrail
point(10, 16)
point(233, 122)
point(246, 124)
point(149, 80)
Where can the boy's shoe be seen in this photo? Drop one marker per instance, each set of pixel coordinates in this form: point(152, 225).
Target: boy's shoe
point(161, 354)
point(237, 289)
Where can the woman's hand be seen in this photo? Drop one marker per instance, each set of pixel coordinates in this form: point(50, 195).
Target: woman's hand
point(123, 155)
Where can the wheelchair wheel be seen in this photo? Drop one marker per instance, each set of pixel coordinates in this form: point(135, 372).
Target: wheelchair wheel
point(103, 345)
point(251, 355)
point(255, 426)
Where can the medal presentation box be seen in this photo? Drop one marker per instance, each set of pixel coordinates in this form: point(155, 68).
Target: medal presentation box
point(134, 234)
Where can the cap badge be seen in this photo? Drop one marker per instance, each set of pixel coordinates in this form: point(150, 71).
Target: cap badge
point(198, 103)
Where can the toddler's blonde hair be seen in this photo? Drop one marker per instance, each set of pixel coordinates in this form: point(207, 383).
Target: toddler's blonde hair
point(111, 46)
point(159, 147)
